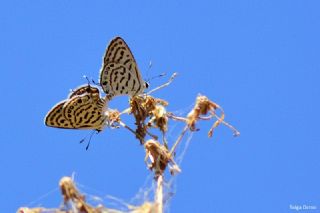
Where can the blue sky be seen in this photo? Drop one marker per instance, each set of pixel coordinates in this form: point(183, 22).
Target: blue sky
point(259, 60)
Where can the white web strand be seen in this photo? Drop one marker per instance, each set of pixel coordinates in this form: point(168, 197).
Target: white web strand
point(42, 197)
point(180, 158)
point(171, 185)
point(145, 191)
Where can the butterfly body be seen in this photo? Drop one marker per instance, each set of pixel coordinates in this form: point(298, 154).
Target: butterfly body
point(84, 89)
point(84, 109)
point(119, 74)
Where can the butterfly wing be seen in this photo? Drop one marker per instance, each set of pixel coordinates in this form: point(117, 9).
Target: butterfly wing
point(56, 118)
point(85, 111)
point(120, 74)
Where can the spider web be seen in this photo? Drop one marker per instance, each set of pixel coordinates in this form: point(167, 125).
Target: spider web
point(144, 196)
point(146, 192)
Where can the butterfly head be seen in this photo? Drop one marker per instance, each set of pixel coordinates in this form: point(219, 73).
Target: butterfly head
point(83, 90)
point(146, 85)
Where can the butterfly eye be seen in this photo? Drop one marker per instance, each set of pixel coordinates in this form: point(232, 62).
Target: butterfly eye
point(146, 85)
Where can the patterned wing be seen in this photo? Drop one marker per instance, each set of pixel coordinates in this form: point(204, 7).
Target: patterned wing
point(120, 74)
point(85, 111)
point(56, 118)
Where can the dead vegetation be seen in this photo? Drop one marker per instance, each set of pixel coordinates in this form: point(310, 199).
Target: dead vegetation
point(150, 114)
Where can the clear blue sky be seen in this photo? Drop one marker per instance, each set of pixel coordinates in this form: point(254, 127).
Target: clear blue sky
point(258, 59)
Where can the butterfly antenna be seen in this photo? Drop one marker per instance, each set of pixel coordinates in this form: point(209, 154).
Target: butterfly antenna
point(95, 83)
point(83, 139)
point(91, 80)
point(94, 131)
point(86, 77)
point(148, 70)
point(149, 67)
point(158, 76)
point(154, 77)
point(163, 85)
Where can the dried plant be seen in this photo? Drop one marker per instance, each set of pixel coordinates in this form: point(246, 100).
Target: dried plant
point(74, 202)
point(160, 158)
point(149, 113)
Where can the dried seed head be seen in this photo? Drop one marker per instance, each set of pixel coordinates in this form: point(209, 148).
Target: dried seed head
point(159, 157)
point(204, 106)
point(159, 118)
point(146, 107)
point(70, 193)
point(113, 118)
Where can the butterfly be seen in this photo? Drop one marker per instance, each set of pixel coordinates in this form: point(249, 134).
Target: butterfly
point(119, 74)
point(83, 109)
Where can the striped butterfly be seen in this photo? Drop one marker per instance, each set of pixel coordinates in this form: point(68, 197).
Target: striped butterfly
point(119, 74)
point(83, 109)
